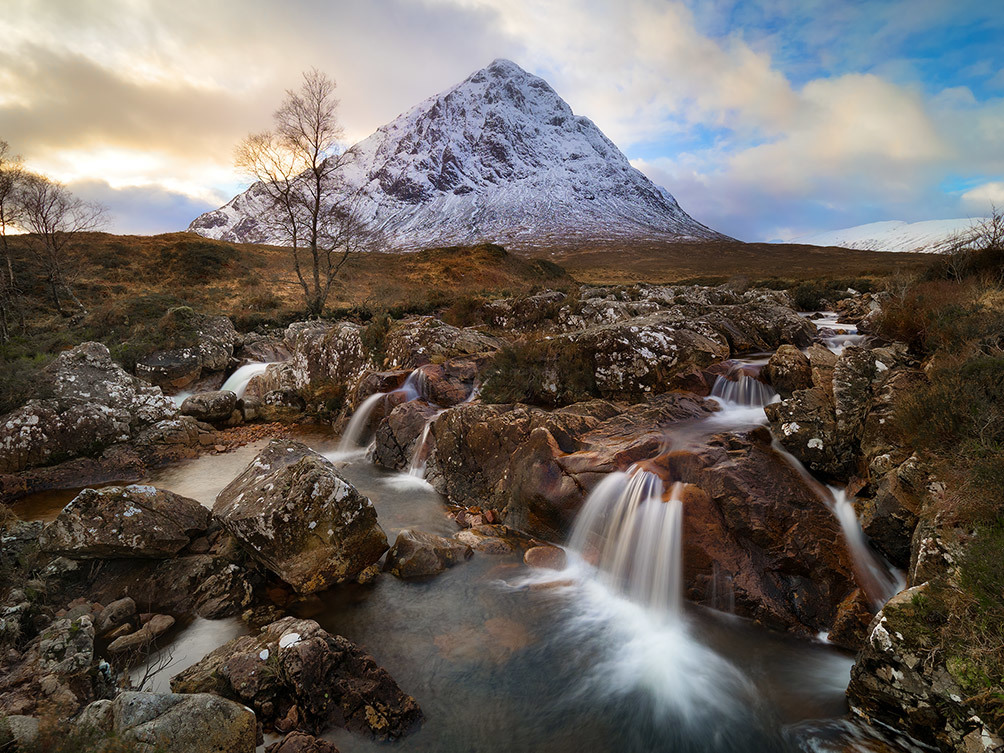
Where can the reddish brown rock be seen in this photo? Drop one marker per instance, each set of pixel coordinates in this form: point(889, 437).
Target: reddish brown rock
point(545, 557)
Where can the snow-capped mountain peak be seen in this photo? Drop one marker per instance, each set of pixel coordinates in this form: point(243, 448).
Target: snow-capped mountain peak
point(928, 236)
point(500, 157)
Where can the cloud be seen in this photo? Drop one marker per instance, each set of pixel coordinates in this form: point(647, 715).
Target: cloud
point(982, 198)
point(142, 209)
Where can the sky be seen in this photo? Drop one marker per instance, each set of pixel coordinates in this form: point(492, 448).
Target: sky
point(766, 119)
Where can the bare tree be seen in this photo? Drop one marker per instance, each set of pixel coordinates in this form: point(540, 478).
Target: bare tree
point(298, 167)
point(11, 177)
point(56, 218)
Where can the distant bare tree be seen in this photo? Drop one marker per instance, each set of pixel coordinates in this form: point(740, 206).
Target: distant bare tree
point(56, 218)
point(298, 165)
point(11, 177)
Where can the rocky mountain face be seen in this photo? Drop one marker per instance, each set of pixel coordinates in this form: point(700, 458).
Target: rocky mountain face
point(499, 157)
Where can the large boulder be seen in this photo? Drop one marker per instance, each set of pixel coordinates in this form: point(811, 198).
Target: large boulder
point(425, 339)
point(806, 425)
point(788, 370)
point(756, 522)
point(297, 516)
point(94, 404)
point(124, 521)
point(214, 341)
point(897, 681)
point(325, 352)
point(196, 723)
point(295, 670)
point(474, 442)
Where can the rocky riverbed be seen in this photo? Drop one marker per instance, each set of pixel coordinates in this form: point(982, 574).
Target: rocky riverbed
point(451, 559)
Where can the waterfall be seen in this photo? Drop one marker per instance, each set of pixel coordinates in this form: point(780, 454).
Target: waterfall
point(420, 455)
point(415, 386)
point(873, 577)
point(635, 538)
point(238, 381)
point(744, 392)
point(356, 430)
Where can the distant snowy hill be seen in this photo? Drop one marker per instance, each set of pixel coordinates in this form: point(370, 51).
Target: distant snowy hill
point(932, 236)
point(499, 157)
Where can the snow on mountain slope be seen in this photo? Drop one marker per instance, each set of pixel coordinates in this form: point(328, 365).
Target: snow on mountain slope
point(931, 236)
point(499, 157)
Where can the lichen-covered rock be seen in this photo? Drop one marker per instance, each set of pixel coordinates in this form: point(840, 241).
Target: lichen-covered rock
point(326, 352)
point(894, 683)
point(417, 554)
point(196, 723)
point(889, 516)
point(806, 425)
point(524, 312)
point(788, 370)
point(297, 516)
point(425, 339)
point(215, 339)
point(329, 680)
point(212, 407)
point(124, 521)
point(95, 403)
point(299, 742)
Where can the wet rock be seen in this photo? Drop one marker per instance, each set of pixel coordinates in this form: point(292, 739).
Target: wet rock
point(115, 615)
point(788, 370)
point(94, 404)
point(548, 476)
point(850, 626)
point(299, 742)
point(129, 521)
point(896, 681)
point(297, 516)
point(752, 517)
point(890, 515)
point(417, 554)
point(806, 425)
point(373, 382)
point(330, 680)
point(474, 443)
point(425, 339)
point(545, 557)
point(147, 634)
point(215, 338)
point(211, 407)
point(398, 433)
point(492, 539)
point(452, 382)
point(197, 723)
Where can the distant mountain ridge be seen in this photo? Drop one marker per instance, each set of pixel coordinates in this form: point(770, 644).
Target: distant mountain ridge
point(499, 157)
point(930, 236)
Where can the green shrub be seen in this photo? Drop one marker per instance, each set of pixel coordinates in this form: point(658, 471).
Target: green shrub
point(548, 373)
point(374, 335)
point(19, 379)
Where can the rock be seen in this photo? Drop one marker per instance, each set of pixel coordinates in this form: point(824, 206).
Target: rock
point(452, 382)
point(95, 404)
point(130, 521)
point(890, 515)
point(297, 516)
point(325, 352)
point(806, 425)
point(215, 338)
point(751, 517)
point(850, 626)
point(418, 554)
point(198, 723)
point(896, 681)
point(788, 370)
point(492, 539)
point(299, 742)
point(22, 731)
point(524, 312)
point(115, 615)
point(425, 339)
point(211, 407)
point(67, 646)
point(545, 557)
point(151, 630)
point(330, 680)
point(474, 443)
point(548, 476)
point(398, 432)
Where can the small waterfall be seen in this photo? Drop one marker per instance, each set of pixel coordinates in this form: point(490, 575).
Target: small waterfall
point(637, 537)
point(420, 455)
point(238, 381)
point(415, 386)
point(723, 594)
point(873, 577)
point(744, 392)
point(356, 430)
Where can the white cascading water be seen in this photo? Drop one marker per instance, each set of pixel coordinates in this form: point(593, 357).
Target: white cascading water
point(636, 538)
point(415, 386)
point(873, 577)
point(238, 381)
point(744, 392)
point(356, 430)
point(420, 455)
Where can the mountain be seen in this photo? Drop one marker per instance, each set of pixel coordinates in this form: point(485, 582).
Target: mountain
point(499, 157)
point(931, 236)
